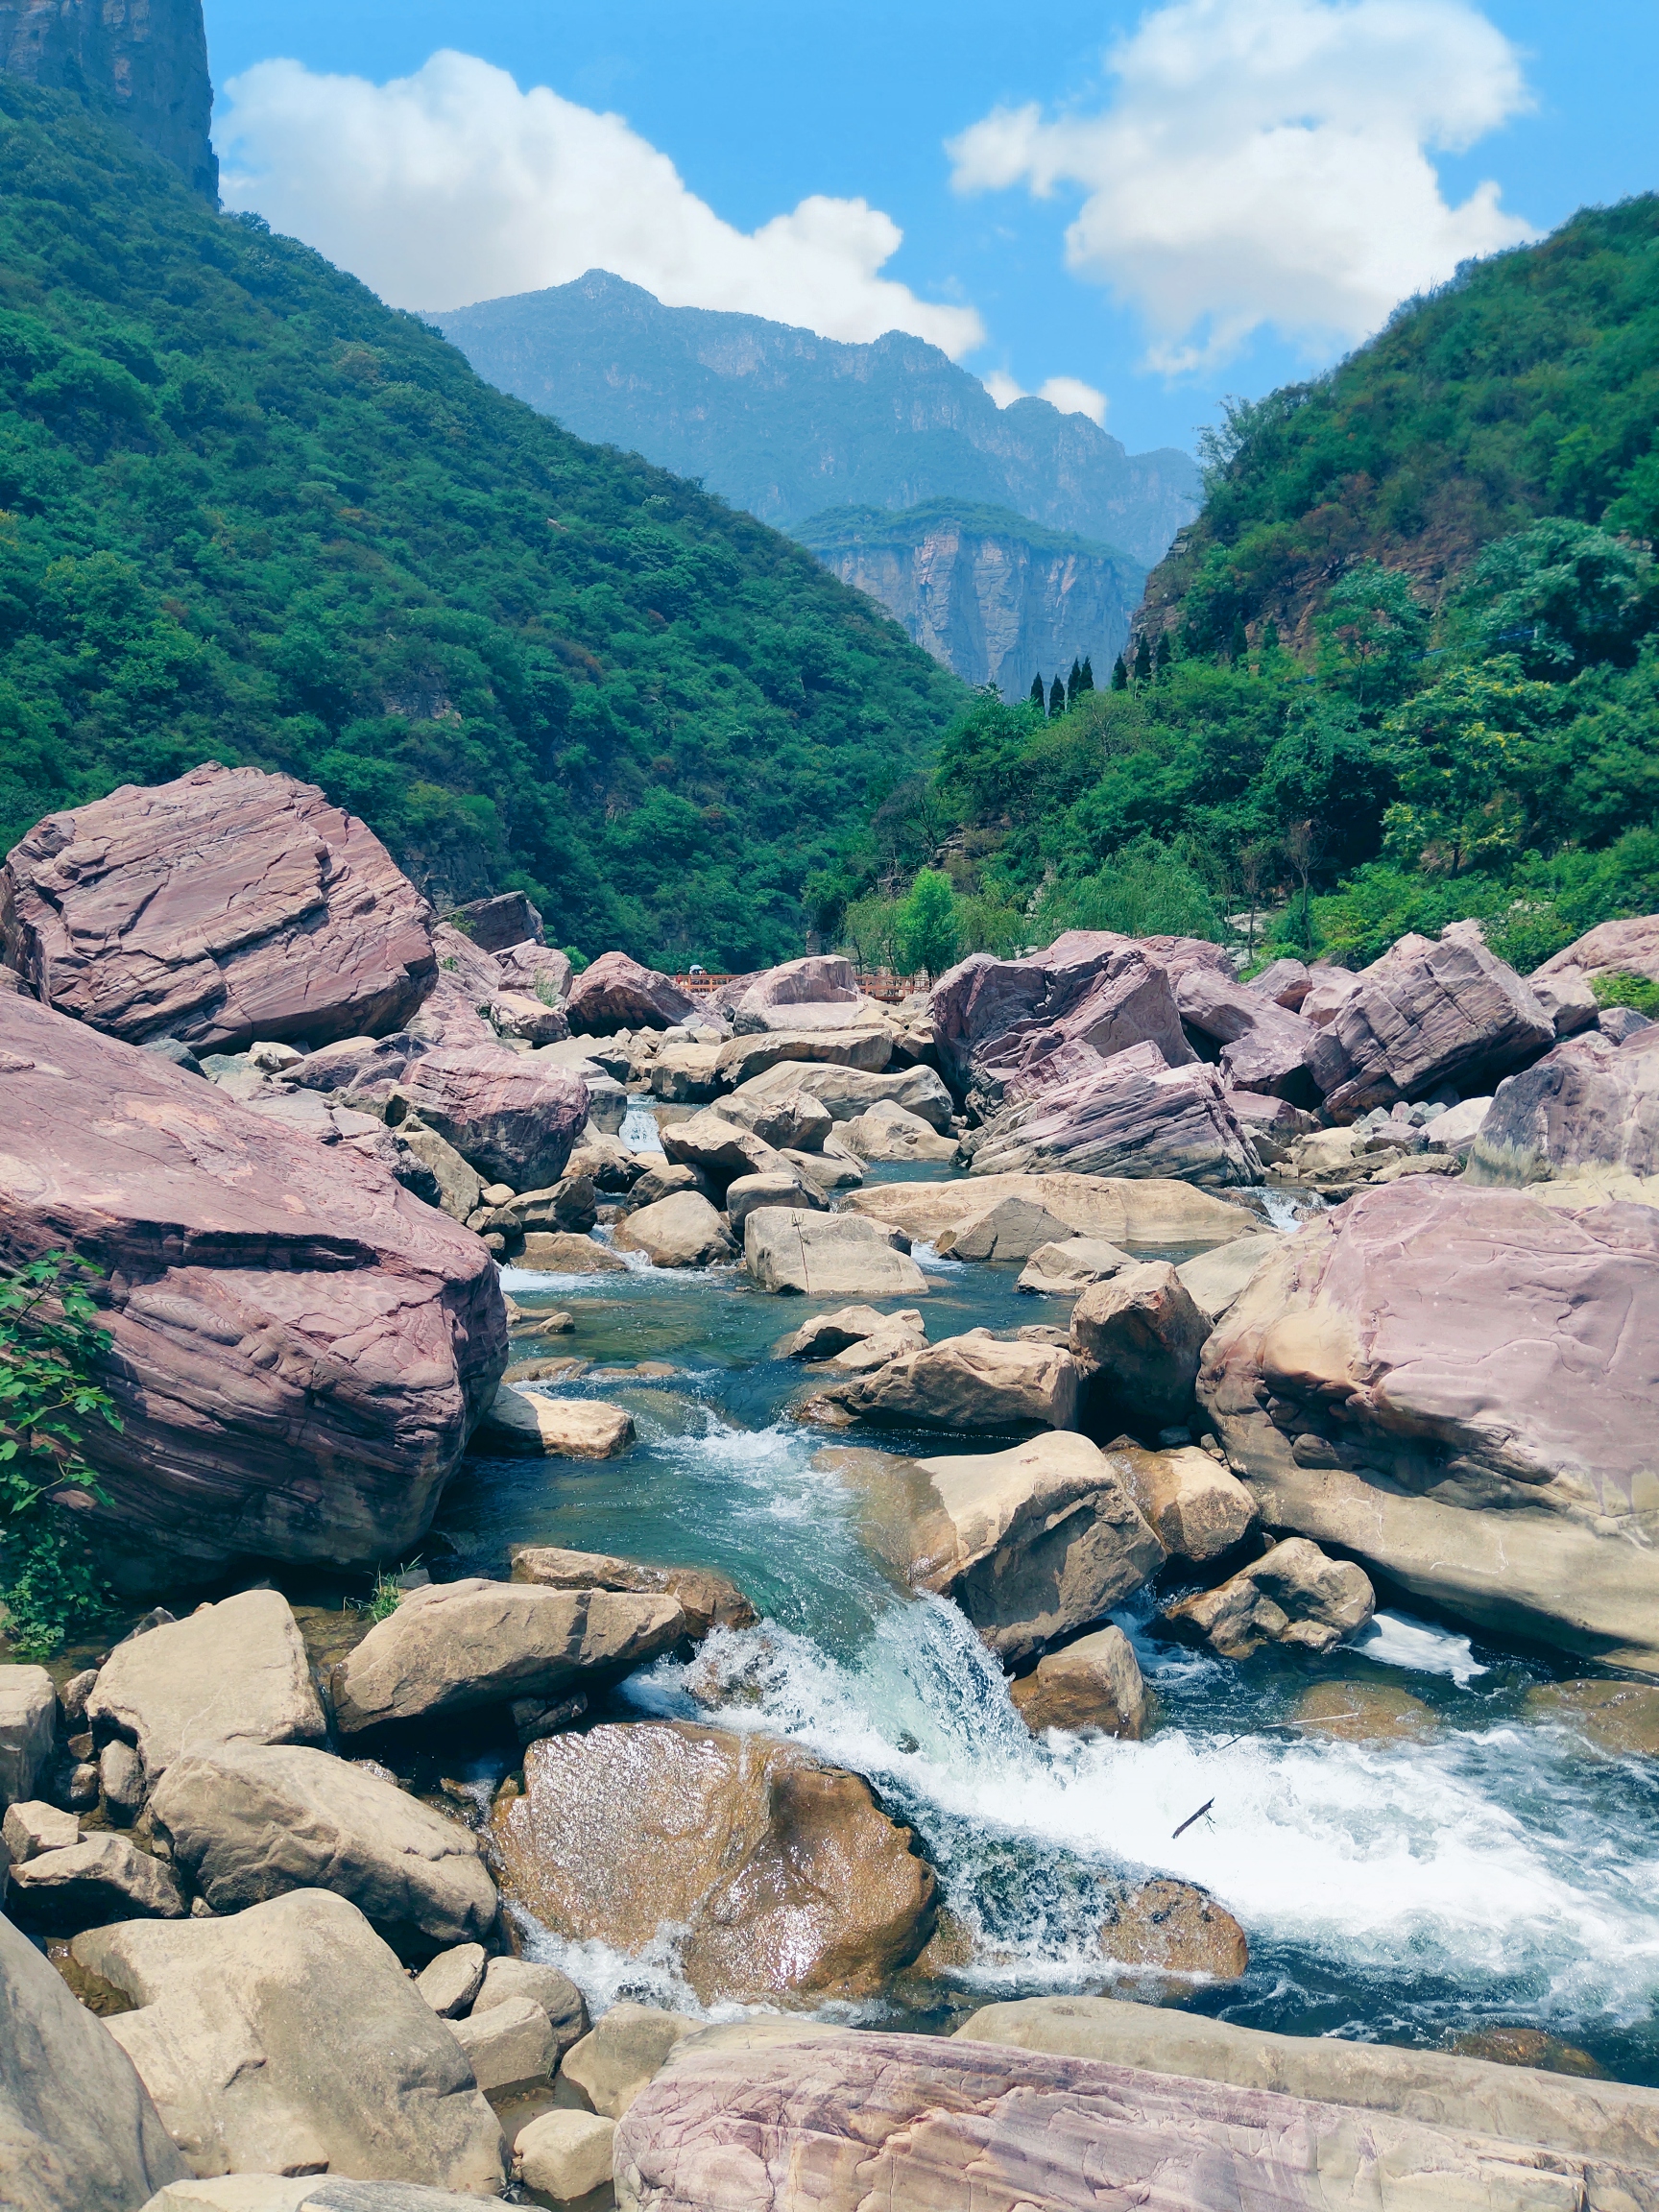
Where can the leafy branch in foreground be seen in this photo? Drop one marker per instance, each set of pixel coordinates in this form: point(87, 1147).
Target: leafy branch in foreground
point(50, 1346)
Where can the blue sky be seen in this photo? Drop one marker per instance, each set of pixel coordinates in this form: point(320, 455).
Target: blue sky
point(1163, 203)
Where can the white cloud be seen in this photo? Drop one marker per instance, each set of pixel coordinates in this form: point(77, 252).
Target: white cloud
point(452, 185)
point(1069, 393)
point(1268, 161)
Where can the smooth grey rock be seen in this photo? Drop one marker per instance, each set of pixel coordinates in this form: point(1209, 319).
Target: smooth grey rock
point(451, 1982)
point(510, 1979)
point(32, 1826)
point(509, 2046)
point(28, 1716)
point(101, 1878)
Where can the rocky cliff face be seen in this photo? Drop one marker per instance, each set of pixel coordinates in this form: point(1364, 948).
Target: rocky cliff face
point(994, 597)
point(144, 61)
point(785, 423)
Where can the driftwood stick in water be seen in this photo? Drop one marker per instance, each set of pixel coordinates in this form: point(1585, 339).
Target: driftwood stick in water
point(1198, 1815)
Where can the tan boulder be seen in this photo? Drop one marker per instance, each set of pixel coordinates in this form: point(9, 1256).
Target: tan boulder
point(565, 2155)
point(1217, 1280)
point(628, 2047)
point(743, 1058)
point(831, 1168)
point(827, 1335)
point(451, 1980)
point(1069, 1265)
point(1033, 1544)
point(1137, 1212)
point(526, 1424)
point(509, 2046)
point(972, 1381)
point(707, 1600)
point(781, 1874)
point(1599, 2120)
point(681, 1231)
point(1139, 1338)
point(32, 1827)
point(557, 1996)
point(1198, 1508)
point(457, 1644)
point(722, 1150)
point(788, 1189)
point(887, 1132)
point(1293, 1596)
point(845, 1093)
point(1093, 1686)
point(1178, 1929)
point(27, 1718)
point(827, 1256)
point(288, 2038)
point(1004, 1229)
point(251, 1821)
point(104, 1877)
point(1454, 1386)
point(685, 1073)
point(556, 1252)
point(785, 1117)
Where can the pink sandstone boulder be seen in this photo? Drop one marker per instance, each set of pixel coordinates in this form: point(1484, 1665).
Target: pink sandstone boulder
point(1131, 1114)
point(227, 906)
point(1424, 1015)
point(1611, 948)
point(1454, 1386)
point(299, 1346)
point(1587, 1111)
point(495, 924)
point(616, 993)
point(1263, 1046)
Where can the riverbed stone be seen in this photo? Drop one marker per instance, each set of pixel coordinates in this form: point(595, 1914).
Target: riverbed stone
point(558, 1252)
point(681, 1231)
point(1214, 1281)
point(846, 1092)
point(971, 1381)
point(28, 1716)
point(864, 1046)
point(249, 1822)
point(1363, 1712)
point(1006, 1229)
point(527, 1424)
point(786, 1117)
point(1455, 1386)
point(785, 1189)
point(887, 1132)
point(1136, 1214)
point(451, 1980)
point(32, 1826)
point(1130, 1116)
point(1619, 1718)
point(708, 1598)
point(827, 1334)
point(1588, 1111)
point(1093, 1686)
point(509, 2046)
point(565, 2155)
point(233, 2016)
point(827, 1256)
point(1469, 2097)
point(453, 1646)
point(628, 2047)
point(1034, 1544)
point(1067, 1266)
point(103, 1877)
point(77, 2129)
point(231, 1672)
point(508, 1979)
point(614, 993)
point(515, 1121)
point(120, 1783)
point(1198, 1508)
point(1179, 1930)
point(1136, 1338)
point(1293, 1596)
point(783, 1874)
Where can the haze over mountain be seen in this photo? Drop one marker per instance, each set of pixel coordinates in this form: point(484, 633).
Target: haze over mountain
point(786, 423)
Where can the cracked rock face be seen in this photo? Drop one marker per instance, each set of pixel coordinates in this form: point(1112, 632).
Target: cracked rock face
point(227, 906)
point(1455, 1388)
point(146, 64)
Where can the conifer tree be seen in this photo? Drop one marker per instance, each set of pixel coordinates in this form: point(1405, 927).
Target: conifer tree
point(1269, 637)
point(1164, 653)
point(1037, 699)
point(1057, 699)
point(1239, 645)
point(1142, 659)
point(1085, 676)
point(1119, 674)
point(1074, 682)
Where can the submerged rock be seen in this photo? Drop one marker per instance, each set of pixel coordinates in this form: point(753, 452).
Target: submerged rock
point(1363, 1712)
point(1619, 1718)
point(1178, 1929)
point(781, 1875)
point(288, 2038)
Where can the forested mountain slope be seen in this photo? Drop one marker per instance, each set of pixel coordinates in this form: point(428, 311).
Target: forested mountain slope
point(251, 514)
point(1527, 385)
point(1405, 668)
point(787, 423)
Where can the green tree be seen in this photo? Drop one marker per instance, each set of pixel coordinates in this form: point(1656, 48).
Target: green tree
point(1119, 674)
point(1142, 663)
point(928, 931)
point(1075, 682)
point(1559, 596)
point(1164, 655)
point(51, 1347)
point(1086, 675)
point(1372, 635)
point(1037, 699)
point(1056, 699)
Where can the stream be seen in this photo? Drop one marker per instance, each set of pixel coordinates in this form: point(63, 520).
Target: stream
point(1497, 1872)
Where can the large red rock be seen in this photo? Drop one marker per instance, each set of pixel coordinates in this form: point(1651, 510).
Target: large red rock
point(1587, 1111)
point(1424, 1015)
point(616, 993)
point(1455, 1387)
point(224, 907)
point(1611, 948)
point(1132, 1114)
point(735, 2122)
point(299, 1346)
point(1264, 1046)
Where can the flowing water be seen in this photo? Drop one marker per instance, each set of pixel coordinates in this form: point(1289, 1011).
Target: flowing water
point(1498, 1871)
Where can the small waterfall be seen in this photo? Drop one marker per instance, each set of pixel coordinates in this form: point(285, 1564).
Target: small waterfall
point(639, 1131)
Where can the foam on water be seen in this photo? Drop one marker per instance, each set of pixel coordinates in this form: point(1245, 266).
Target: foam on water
point(1391, 1640)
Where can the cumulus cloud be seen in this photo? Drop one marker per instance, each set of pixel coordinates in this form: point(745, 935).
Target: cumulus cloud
point(1069, 393)
point(1268, 161)
point(453, 185)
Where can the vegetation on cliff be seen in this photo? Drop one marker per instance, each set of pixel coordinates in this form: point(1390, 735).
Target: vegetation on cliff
point(1407, 665)
point(251, 514)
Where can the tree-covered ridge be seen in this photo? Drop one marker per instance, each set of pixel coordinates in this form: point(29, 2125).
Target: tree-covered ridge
point(251, 514)
point(1528, 386)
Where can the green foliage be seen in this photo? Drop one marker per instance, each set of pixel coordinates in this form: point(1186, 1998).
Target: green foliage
point(50, 1349)
point(928, 930)
point(251, 514)
point(1144, 890)
point(1637, 992)
point(1560, 596)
